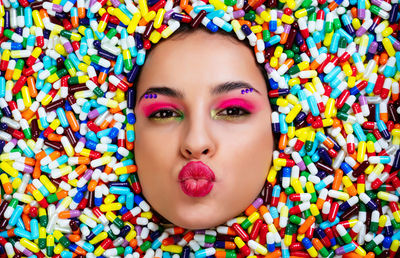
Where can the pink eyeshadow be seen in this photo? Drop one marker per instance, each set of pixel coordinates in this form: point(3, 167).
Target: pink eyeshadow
point(148, 110)
point(237, 102)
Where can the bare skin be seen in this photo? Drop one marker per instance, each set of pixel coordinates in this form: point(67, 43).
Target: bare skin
point(236, 142)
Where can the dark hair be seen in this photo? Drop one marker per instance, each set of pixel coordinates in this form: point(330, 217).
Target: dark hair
point(185, 30)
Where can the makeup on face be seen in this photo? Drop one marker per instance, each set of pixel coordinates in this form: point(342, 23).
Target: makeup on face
point(231, 101)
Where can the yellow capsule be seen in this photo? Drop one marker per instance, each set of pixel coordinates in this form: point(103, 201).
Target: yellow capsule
point(272, 174)
point(147, 215)
point(388, 47)
point(274, 61)
point(100, 237)
point(297, 186)
point(300, 13)
point(287, 19)
point(293, 113)
point(58, 249)
point(31, 246)
point(330, 109)
point(26, 97)
point(159, 18)
point(177, 249)
point(144, 9)
point(111, 207)
point(134, 22)
point(155, 37)
point(239, 242)
point(37, 20)
point(259, 20)
point(328, 39)
point(356, 23)
point(253, 217)
point(294, 81)
point(219, 5)
point(47, 183)
point(6, 167)
point(61, 50)
point(131, 235)
point(361, 150)
point(149, 16)
point(303, 65)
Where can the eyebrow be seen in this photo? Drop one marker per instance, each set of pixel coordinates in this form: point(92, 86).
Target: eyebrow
point(217, 90)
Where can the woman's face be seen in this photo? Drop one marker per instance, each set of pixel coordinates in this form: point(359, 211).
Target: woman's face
point(200, 114)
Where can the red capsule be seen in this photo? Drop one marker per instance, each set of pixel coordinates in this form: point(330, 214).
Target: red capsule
point(240, 232)
point(256, 229)
point(333, 212)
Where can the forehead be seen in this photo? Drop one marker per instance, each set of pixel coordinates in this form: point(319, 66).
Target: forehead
point(202, 58)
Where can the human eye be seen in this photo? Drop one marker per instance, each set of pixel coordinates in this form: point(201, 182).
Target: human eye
point(165, 114)
point(233, 112)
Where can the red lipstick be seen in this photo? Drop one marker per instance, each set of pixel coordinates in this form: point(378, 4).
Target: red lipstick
point(196, 179)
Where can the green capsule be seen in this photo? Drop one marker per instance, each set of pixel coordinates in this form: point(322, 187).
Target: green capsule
point(111, 33)
point(371, 137)
point(373, 227)
point(289, 53)
point(289, 190)
point(146, 245)
point(305, 174)
point(70, 67)
point(295, 219)
point(307, 213)
point(297, 58)
point(323, 252)
point(64, 241)
point(375, 9)
point(250, 16)
point(42, 238)
point(295, 49)
point(377, 250)
point(307, 4)
point(340, 241)
point(209, 239)
point(336, 23)
point(118, 222)
point(20, 64)
point(230, 2)
point(51, 198)
point(266, 35)
point(371, 194)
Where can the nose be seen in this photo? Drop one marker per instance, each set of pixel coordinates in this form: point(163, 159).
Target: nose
point(197, 140)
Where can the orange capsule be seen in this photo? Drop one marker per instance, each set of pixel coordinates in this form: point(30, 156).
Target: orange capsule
point(243, 22)
point(74, 238)
point(183, 4)
point(81, 169)
point(37, 172)
point(27, 221)
point(383, 58)
point(73, 123)
point(54, 137)
point(337, 181)
point(306, 225)
point(129, 145)
point(32, 86)
point(83, 160)
point(274, 254)
point(283, 141)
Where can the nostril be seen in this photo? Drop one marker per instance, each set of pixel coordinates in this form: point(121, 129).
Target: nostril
point(205, 151)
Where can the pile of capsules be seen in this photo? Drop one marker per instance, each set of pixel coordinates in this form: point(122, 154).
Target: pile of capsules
point(69, 186)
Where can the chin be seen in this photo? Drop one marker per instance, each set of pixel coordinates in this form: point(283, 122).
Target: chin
point(199, 219)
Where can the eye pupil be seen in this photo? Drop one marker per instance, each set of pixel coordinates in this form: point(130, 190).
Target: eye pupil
point(165, 113)
point(233, 111)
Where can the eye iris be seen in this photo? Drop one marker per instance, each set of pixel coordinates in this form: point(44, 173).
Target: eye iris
point(165, 113)
point(233, 111)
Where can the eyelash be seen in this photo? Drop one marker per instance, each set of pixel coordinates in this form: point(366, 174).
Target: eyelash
point(244, 112)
